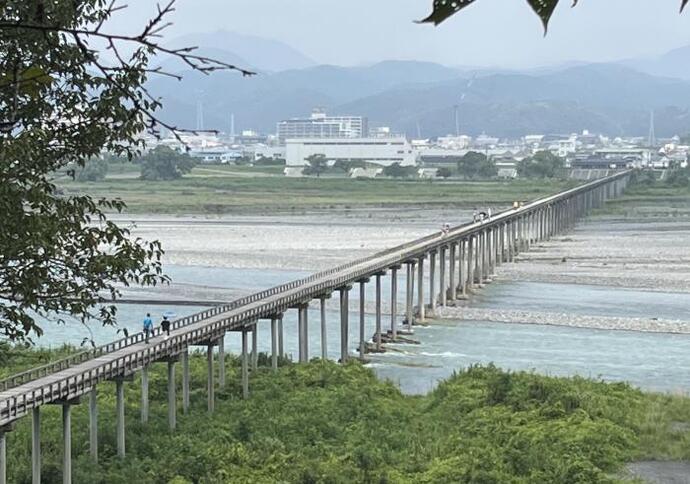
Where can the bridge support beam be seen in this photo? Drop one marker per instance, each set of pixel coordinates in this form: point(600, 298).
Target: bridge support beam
point(281, 347)
point(344, 323)
point(172, 401)
point(145, 394)
point(470, 261)
point(442, 276)
point(185, 380)
point(3, 452)
point(394, 302)
point(460, 289)
point(245, 363)
point(255, 342)
point(221, 362)
point(93, 424)
point(302, 334)
point(452, 258)
point(36, 445)
point(432, 283)
point(120, 416)
point(409, 302)
point(274, 344)
point(378, 312)
point(420, 290)
point(210, 383)
point(362, 317)
point(324, 330)
point(66, 443)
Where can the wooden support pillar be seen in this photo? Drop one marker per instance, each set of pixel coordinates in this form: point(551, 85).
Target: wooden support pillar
point(93, 424)
point(394, 302)
point(145, 394)
point(442, 276)
point(210, 384)
point(378, 312)
point(185, 381)
point(245, 363)
point(344, 323)
point(470, 261)
point(274, 343)
point(3, 456)
point(462, 272)
point(302, 315)
point(409, 316)
point(172, 400)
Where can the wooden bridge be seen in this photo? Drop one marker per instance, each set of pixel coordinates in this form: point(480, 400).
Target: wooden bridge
point(458, 261)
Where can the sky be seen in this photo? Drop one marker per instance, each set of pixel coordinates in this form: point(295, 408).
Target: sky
point(489, 33)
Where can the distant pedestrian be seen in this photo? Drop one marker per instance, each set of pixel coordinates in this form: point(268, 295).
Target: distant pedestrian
point(445, 230)
point(516, 205)
point(148, 327)
point(165, 326)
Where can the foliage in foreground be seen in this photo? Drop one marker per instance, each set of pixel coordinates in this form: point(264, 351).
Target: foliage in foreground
point(325, 423)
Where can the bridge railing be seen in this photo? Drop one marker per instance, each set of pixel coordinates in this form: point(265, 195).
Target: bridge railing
point(458, 231)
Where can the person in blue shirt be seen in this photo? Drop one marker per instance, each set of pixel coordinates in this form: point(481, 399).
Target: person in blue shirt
point(148, 327)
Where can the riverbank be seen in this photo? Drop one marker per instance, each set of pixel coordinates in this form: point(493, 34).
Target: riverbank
point(322, 422)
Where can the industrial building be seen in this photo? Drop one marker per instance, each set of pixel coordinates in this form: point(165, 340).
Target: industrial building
point(378, 151)
point(320, 125)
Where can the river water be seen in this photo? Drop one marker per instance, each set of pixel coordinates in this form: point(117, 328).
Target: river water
point(658, 362)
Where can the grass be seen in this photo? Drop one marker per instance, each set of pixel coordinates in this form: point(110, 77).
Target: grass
point(223, 189)
point(650, 201)
point(323, 422)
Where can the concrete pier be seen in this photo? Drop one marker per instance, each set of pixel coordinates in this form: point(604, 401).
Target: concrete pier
point(362, 317)
point(172, 401)
point(302, 343)
point(451, 273)
point(210, 383)
point(442, 276)
point(274, 341)
point(184, 356)
point(394, 301)
point(324, 330)
point(145, 394)
point(420, 290)
point(378, 311)
point(66, 443)
point(344, 322)
point(93, 424)
point(120, 416)
point(245, 363)
point(432, 283)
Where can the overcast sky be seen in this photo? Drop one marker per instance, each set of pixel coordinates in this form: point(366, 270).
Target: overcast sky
point(503, 33)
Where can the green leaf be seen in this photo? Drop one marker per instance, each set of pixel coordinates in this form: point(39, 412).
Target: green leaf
point(544, 8)
point(444, 9)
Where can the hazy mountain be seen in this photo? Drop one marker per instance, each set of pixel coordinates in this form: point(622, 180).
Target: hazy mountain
point(263, 54)
point(675, 63)
point(606, 98)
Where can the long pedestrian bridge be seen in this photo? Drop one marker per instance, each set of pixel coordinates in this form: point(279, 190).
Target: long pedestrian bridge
point(443, 266)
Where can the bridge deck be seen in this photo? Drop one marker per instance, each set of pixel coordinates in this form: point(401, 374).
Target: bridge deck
point(126, 356)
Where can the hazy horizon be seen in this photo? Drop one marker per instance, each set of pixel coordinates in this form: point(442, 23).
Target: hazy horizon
point(489, 33)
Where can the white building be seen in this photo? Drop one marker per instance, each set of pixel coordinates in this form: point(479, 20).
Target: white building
point(378, 151)
point(319, 125)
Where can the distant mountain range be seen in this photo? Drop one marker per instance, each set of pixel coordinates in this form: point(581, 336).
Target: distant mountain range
point(419, 98)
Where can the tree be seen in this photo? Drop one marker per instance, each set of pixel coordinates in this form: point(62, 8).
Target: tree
point(678, 177)
point(346, 166)
point(476, 165)
point(61, 104)
point(543, 164)
point(93, 170)
point(395, 170)
point(443, 172)
point(317, 165)
point(164, 163)
point(443, 9)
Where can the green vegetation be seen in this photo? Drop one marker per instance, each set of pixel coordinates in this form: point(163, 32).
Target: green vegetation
point(543, 164)
point(227, 189)
point(164, 163)
point(326, 423)
point(317, 165)
point(476, 165)
point(93, 170)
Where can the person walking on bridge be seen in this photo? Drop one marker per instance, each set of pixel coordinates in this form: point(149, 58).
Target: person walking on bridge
point(148, 327)
point(165, 326)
